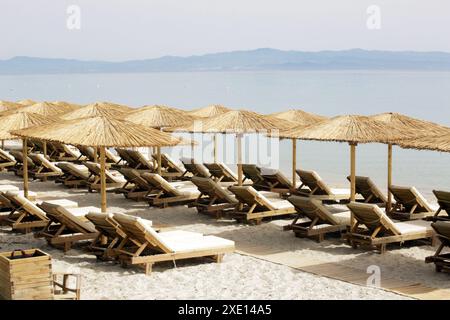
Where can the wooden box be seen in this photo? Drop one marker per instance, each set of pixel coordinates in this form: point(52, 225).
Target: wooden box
point(26, 275)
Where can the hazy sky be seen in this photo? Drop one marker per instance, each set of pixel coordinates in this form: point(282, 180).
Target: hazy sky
point(137, 29)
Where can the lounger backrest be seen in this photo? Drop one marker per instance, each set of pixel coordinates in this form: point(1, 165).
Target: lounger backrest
point(211, 188)
point(228, 172)
point(313, 208)
point(442, 228)
point(40, 160)
point(5, 156)
point(250, 196)
point(138, 229)
point(443, 198)
point(65, 217)
point(313, 181)
point(18, 156)
point(138, 157)
point(159, 182)
point(104, 223)
point(21, 202)
point(371, 216)
point(71, 169)
point(366, 188)
point(66, 149)
point(110, 157)
point(408, 197)
point(133, 176)
point(279, 179)
point(168, 163)
point(88, 152)
point(252, 172)
point(95, 169)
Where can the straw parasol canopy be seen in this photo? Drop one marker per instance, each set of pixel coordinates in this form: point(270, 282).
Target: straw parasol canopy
point(47, 109)
point(105, 109)
point(100, 132)
point(26, 102)
point(237, 122)
point(439, 143)
point(411, 128)
point(209, 111)
point(299, 116)
point(8, 105)
point(158, 116)
point(74, 106)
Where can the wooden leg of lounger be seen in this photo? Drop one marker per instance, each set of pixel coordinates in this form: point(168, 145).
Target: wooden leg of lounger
point(148, 268)
point(218, 258)
point(382, 248)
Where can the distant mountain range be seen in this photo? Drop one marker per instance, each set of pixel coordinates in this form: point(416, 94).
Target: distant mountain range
point(259, 59)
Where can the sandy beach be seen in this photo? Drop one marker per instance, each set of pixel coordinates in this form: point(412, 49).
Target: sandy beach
point(239, 276)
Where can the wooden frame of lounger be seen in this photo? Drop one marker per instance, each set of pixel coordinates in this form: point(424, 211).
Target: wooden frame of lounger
point(252, 207)
point(6, 160)
point(61, 152)
point(441, 260)
point(18, 166)
point(171, 169)
point(24, 215)
point(142, 162)
point(136, 187)
point(72, 176)
point(213, 199)
point(220, 172)
point(44, 168)
point(167, 194)
point(318, 189)
point(380, 229)
point(253, 173)
point(443, 199)
point(278, 182)
point(94, 169)
point(194, 169)
point(125, 158)
point(369, 191)
point(159, 252)
point(409, 204)
point(64, 229)
point(318, 214)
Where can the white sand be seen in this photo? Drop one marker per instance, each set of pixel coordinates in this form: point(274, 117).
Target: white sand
point(238, 277)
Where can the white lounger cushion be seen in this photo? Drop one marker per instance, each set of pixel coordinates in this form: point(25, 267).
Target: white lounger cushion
point(340, 191)
point(46, 163)
point(83, 211)
point(343, 217)
point(63, 203)
point(268, 171)
point(414, 226)
point(8, 187)
point(25, 203)
point(31, 194)
point(280, 203)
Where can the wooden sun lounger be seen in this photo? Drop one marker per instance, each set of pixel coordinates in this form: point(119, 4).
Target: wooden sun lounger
point(253, 173)
point(8, 187)
point(66, 227)
point(44, 168)
point(142, 162)
point(441, 260)
point(61, 152)
point(74, 175)
point(369, 191)
point(194, 169)
point(254, 205)
point(136, 187)
point(313, 186)
point(379, 230)
point(320, 220)
point(26, 215)
point(170, 193)
point(156, 247)
point(111, 180)
point(277, 181)
point(6, 160)
point(443, 198)
point(126, 160)
point(221, 172)
point(213, 199)
point(89, 153)
point(18, 167)
point(169, 168)
point(410, 204)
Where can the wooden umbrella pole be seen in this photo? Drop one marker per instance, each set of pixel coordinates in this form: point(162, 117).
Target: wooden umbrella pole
point(389, 179)
point(95, 155)
point(159, 160)
point(294, 161)
point(153, 159)
point(25, 167)
point(3, 144)
point(215, 147)
point(45, 149)
point(353, 171)
point(103, 178)
point(239, 160)
point(192, 146)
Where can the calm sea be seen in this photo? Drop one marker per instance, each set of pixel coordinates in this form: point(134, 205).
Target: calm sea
point(424, 95)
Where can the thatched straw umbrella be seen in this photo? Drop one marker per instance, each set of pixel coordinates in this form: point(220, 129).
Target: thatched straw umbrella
point(105, 109)
point(208, 112)
point(351, 129)
point(100, 132)
point(410, 128)
point(301, 119)
point(26, 102)
point(238, 122)
point(160, 117)
point(74, 106)
point(8, 105)
point(48, 109)
point(439, 143)
point(17, 121)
